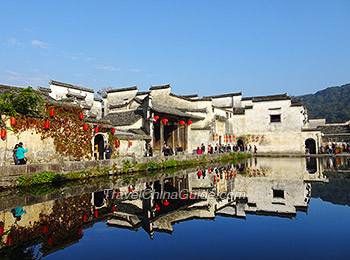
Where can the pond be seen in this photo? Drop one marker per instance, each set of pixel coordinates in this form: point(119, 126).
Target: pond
point(262, 208)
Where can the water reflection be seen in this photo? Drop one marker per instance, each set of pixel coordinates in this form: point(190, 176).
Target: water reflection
point(264, 186)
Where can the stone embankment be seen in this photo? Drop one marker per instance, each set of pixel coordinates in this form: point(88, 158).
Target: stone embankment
point(9, 175)
point(323, 155)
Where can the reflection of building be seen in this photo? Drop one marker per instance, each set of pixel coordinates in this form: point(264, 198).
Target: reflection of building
point(272, 187)
point(277, 187)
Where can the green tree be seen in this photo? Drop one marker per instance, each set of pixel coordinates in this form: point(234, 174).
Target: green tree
point(24, 102)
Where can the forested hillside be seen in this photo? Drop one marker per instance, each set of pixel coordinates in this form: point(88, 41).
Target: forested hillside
point(332, 103)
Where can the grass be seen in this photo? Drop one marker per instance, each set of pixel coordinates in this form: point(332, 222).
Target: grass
point(145, 169)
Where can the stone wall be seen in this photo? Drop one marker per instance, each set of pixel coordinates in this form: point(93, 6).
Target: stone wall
point(10, 174)
point(39, 150)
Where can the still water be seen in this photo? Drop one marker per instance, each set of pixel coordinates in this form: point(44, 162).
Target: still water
point(263, 208)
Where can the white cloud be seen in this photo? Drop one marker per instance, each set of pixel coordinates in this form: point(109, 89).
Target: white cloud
point(135, 70)
point(11, 42)
point(152, 75)
point(40, 44)
point(107, 67)
point(24, 81)
point(12, 72)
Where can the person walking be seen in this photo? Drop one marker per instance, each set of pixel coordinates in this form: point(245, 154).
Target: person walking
point(20, 154)
point(15, 154)
point(108, 151)
point(255, 149)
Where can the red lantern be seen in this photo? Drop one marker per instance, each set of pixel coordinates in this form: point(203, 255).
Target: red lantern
point(189, 122)
point(113, 208)
point(1, 230)
point(86, 127)
point(3, 133)
point(183, 196)
point(49, 241)
point(45, 229)
point(191, 196)
point(9, 241)
point(182, 123)
point(47, 124)
point(96, 129)
point(130, 190)
point(156, 118)
point(96, 213)
point(52, 112)
point(164, 120)
point(113, 130)
point(117, 144)
point(81, 115)
point(130, 143)
point(166, 202)
point(157, 207)
point(12, 121)
point(80, 231)
point(84, 218)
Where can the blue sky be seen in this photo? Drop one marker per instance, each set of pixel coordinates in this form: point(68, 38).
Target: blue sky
point(205, 47)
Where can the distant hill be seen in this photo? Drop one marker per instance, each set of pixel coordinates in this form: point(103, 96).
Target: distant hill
point(332, 103)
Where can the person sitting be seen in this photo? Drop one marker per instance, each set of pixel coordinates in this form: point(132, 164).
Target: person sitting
point(199, 151)
point(170, 151)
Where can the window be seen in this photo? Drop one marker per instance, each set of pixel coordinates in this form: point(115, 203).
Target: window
point(278, 194)
point(275, 118)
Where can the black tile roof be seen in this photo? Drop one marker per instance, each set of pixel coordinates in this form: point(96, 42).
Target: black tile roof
point(142, 93)
point(118, 106)
point(191, 99)
point(44, 90)
point(267, 98)
point(239, 111)
point(136, 99)
point(190, 96)
point(202, 128)
point(122, 89)
point(221, 118)
point(161, 108)
point(124, 118)
point(194, 110)
point(76, 95)
point(334, 129)
point(225, 95)
point(5, 89)
point(160, 87)
point(57, 83)
point(297, 103)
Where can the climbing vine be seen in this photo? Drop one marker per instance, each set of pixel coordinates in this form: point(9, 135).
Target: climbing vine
point(65, 127)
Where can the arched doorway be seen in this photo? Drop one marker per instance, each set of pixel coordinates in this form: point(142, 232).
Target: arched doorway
point(98, 199)
point(99, 147)
point(311, 165)
point(240, 143)
point(310, 146)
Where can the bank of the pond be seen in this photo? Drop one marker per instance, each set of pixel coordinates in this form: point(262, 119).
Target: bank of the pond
point(33, 174)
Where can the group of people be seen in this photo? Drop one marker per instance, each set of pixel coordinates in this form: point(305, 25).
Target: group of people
point(334, 148)
point(168, 150)
point(19, 154)
point(225, 148)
